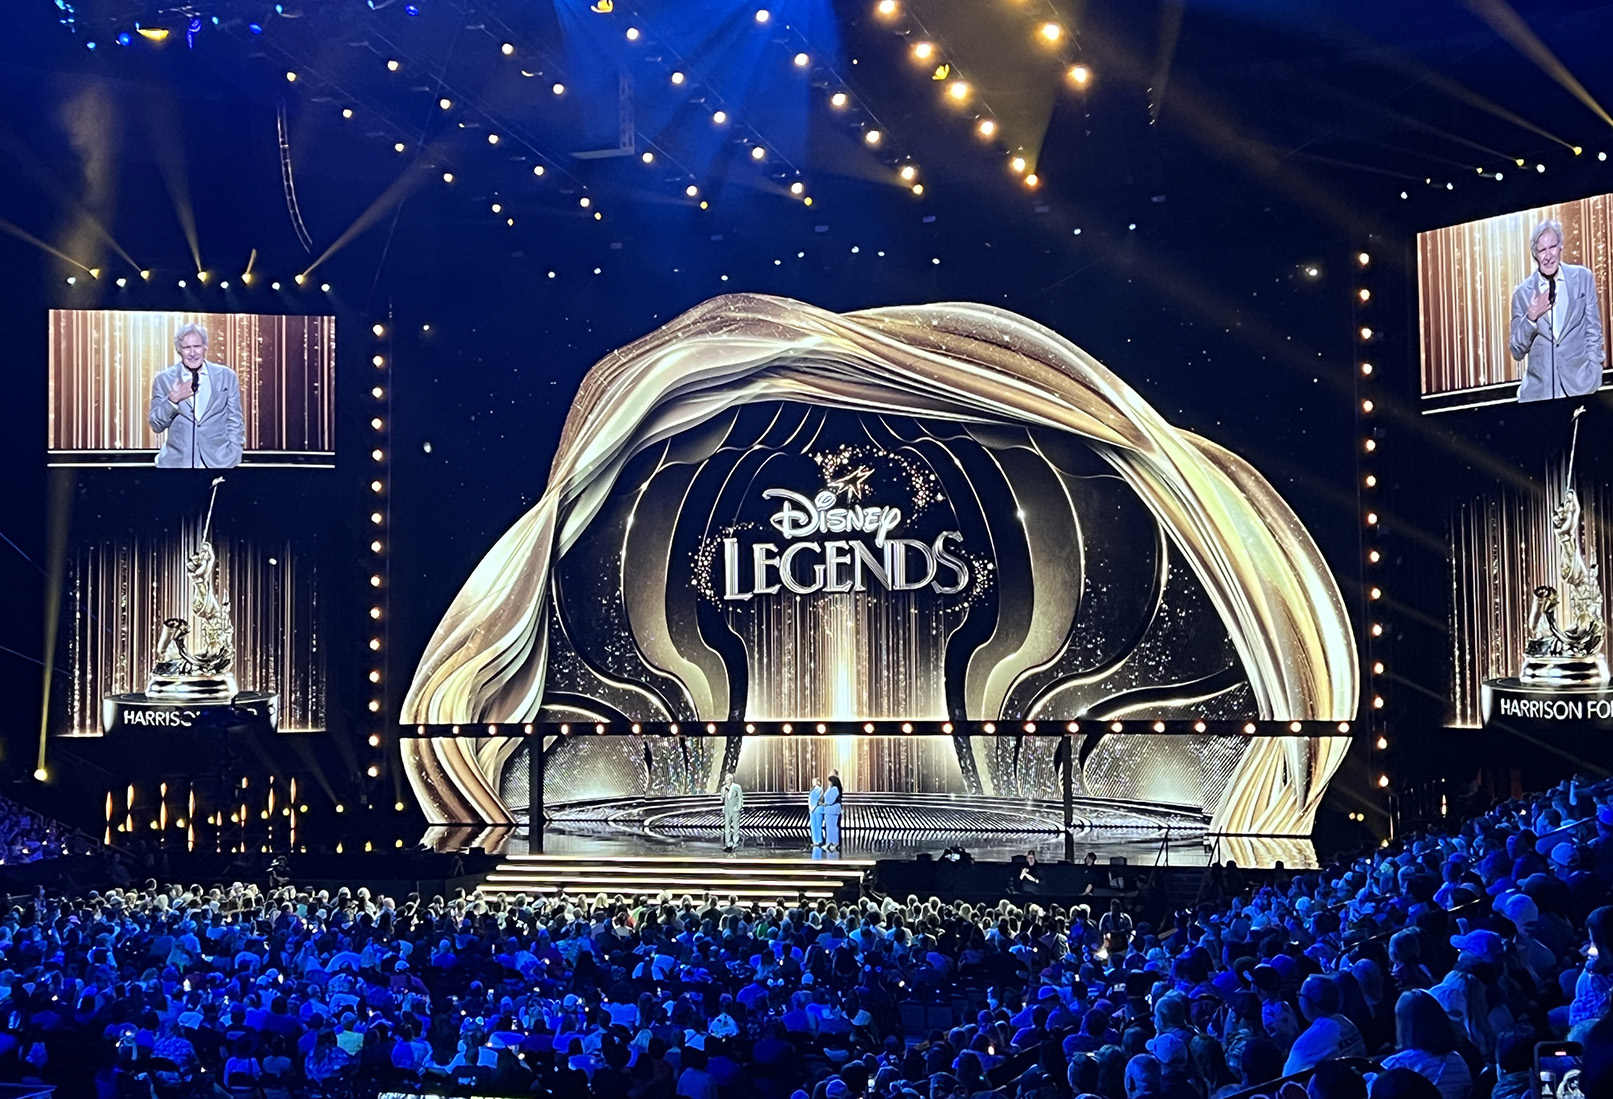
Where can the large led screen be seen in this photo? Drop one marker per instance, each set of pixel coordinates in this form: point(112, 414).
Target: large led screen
point(1515, 307)
point(764, 511)
point(187, 390)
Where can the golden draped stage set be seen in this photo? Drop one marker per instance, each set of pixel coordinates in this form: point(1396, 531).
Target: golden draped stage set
point(1007, 389)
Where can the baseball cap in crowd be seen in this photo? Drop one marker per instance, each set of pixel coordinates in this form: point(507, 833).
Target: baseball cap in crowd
point(1168, 1049)
point(1563, 855)
point(1519, 909)
point(1484, 946)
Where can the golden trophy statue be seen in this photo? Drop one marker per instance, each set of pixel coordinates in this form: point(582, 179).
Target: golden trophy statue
point(200, 674)
point(1566, 629)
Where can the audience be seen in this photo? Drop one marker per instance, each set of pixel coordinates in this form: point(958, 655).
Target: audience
point(1429, 967)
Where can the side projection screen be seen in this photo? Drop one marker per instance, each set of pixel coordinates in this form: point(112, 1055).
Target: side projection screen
point(190, 390)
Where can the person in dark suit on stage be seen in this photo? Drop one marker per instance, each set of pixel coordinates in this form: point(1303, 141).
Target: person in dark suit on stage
point(196, 408)
point(1556, 323)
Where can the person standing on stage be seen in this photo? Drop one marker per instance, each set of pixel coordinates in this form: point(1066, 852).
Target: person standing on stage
point(831, 811)
point(1556, 323)
point(733, 800)
point(196, 408)
point(815, 812)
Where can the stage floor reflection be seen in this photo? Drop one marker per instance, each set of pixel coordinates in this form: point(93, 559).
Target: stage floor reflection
point(901, 828)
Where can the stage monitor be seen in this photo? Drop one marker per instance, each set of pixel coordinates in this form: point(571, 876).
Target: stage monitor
point(1514, 308)
point(189, 390)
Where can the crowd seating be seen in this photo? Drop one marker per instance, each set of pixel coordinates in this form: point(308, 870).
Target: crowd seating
point(27, 836)
point(1429, 967)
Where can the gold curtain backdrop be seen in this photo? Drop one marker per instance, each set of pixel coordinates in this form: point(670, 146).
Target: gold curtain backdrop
point(958, 362)
point(102, 362)
point(1465, 278)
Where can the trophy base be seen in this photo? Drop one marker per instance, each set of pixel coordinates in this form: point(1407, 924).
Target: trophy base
point(246, 712)
point(192, 688)
point(1577, 671)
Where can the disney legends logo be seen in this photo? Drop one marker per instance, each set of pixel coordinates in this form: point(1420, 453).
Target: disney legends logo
point(808, 563)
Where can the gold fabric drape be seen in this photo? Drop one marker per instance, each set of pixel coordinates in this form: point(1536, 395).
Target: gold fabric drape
point(956, 361)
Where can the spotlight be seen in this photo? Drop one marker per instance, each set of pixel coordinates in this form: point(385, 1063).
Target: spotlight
point(763, 15)
point(908, 172)
point(506, 49)
point(958, 91)
point(291, 78)
point(448, 177)
point(691, 190)
point(918, 188)
point(347, 112)
point(986, 128)
point(837, 100)
point(677, 78)
point(802, 60)
point(445, 102)
point(558, 88)
point(886, 8)
point(1017, 164)
point(1050, 32)
point(757, 152)
point(872, 137)
point(1080, 75)
point(797, 187)
point(719, 117)
point(392, 65)
point(492, 139)
point(1032, 180)
point(923, 51)
point(648, 158)
point(632, 34)
point(397, 146)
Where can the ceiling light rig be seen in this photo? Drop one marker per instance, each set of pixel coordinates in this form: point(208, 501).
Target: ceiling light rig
point(926, 49)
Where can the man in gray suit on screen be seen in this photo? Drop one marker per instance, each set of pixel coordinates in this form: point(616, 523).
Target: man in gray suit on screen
point(196, 408)
point(1557, 323)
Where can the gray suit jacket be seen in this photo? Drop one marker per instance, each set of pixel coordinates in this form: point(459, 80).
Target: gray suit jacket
point(214, 442)
point(1573, 367)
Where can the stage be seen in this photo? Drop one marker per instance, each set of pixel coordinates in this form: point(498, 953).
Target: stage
point(908, 828)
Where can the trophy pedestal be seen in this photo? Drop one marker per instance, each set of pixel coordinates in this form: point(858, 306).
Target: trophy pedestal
point(210, 689)
point(1547, 709)
point(1577, 671)
point(245, 712)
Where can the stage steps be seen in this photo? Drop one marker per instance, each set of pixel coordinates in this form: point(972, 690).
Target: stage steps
point(795, 880)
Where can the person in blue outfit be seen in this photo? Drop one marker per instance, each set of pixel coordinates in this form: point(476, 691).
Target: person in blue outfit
point(831, 811)
point(815, 811)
